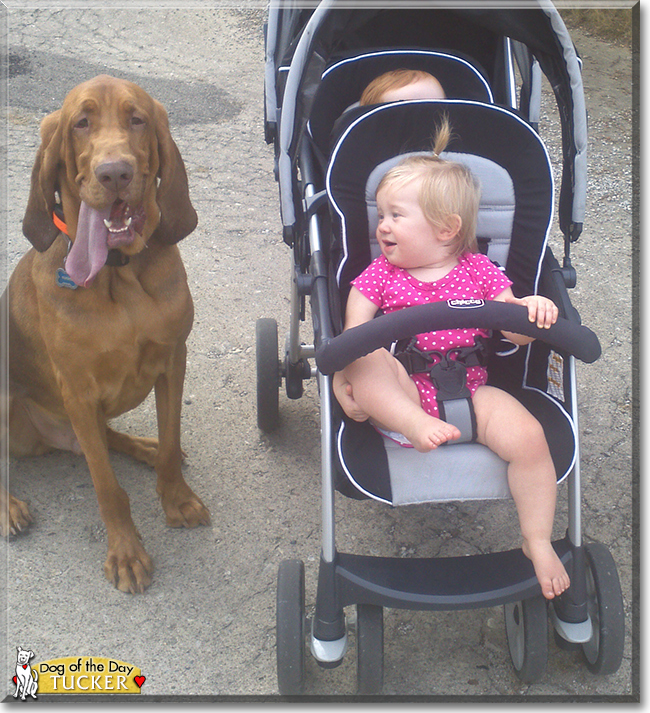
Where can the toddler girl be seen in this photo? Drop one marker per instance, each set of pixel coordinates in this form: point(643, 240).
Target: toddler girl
point(427, 212)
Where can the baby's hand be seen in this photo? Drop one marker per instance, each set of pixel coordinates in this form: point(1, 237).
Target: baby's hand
point(343, 391)
point(540, 309)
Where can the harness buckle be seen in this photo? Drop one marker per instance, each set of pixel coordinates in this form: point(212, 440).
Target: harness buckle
point(449, 376)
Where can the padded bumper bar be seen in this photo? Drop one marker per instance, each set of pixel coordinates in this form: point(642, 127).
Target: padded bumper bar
point(335, 354)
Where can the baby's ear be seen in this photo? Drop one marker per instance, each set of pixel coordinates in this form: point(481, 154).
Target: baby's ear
point(451, 228)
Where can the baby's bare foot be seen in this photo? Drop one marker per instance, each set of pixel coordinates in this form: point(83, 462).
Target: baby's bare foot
point(426, 432)
point(552, 576)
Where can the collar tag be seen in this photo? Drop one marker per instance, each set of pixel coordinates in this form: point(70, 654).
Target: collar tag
point(64, 280)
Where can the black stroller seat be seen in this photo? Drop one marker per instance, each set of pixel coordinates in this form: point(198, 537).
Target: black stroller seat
point(514, 220)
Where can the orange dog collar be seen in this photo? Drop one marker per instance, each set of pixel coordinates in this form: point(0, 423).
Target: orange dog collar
point(57, 217)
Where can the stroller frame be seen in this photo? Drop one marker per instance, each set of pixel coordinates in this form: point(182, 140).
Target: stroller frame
point(589, 616)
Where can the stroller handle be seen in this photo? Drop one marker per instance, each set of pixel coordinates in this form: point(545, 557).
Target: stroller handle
point(569, 336)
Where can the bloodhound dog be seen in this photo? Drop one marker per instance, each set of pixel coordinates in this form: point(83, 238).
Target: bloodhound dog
point(99, 309)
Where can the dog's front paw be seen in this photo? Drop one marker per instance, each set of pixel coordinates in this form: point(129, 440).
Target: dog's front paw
point(14, 516)
point(128, 566)
point(182, 507)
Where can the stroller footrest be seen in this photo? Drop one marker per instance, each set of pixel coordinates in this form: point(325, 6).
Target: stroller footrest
point(445, 583)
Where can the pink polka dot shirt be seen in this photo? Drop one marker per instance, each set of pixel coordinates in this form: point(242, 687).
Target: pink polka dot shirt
point(392, 288)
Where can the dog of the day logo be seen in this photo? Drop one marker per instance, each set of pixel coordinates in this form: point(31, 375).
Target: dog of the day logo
point(75, 674)
point(25, 678)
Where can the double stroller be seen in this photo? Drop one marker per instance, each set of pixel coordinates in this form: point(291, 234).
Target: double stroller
point(330, 154)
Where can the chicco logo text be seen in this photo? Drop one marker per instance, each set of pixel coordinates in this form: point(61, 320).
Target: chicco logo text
point(460, 304)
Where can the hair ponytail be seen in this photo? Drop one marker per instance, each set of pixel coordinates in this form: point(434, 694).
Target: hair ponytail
point(442, 136)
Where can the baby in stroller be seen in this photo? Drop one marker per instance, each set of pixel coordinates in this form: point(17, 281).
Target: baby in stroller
point(427, 211)
point(400, 84)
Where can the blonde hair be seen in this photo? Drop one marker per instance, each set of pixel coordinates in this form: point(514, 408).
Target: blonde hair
point(395, 79)
point(446, 188)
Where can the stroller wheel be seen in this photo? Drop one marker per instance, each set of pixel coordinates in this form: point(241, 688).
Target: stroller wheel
point(268, 374)
point(527, 633)
point(370, 648)
point(603, 653)
point(290, 628)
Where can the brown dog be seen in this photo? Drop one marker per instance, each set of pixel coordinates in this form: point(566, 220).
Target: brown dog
point(99, 317)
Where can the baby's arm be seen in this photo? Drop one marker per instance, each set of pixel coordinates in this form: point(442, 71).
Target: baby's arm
point(359, 309)
point(540, 310)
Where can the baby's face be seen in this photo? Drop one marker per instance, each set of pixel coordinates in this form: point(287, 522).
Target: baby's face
point(405, 236)
point(428, 88)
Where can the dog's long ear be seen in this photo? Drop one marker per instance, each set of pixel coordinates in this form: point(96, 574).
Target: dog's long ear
point(38, 226)
point(177, 215)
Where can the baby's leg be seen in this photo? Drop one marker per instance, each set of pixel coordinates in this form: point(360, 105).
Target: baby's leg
point(506, 427)
point(384, 390)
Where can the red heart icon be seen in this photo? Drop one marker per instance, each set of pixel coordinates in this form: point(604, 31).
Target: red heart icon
point(15, 680)
point(140, 680)
point(24, 665)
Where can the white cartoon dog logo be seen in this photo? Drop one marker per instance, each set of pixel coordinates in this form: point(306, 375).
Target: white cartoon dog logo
point(26, 678)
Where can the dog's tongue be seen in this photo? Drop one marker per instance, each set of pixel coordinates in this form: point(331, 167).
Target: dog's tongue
point(89, 251)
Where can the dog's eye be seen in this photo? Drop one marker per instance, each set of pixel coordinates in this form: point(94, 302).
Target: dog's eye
point(137, 121)
point(82, 123)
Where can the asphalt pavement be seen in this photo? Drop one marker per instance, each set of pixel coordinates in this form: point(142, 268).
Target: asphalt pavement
point(205, 629)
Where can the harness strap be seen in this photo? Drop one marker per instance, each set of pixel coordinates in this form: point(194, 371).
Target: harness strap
point(449, 376)
point(454, 398)
point(415, 361)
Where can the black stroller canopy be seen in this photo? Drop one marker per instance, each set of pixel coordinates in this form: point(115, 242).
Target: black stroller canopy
point(331, 30)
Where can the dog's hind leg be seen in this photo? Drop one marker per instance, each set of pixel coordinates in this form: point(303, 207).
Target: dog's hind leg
point(33, 431)
point(142, 449)
point(14, 513)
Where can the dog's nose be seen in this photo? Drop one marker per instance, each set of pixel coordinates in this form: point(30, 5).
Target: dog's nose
point(114, 175)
